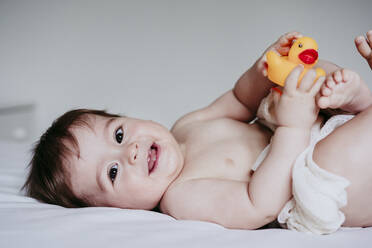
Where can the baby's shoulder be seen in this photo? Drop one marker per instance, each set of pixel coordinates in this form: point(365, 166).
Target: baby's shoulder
point(190, 118)
point(197, 119)
point(190, 126)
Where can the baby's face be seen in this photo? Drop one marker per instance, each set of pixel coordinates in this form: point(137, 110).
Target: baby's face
point(124, 162)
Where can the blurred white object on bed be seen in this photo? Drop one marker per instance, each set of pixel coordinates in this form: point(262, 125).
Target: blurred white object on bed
point(17, 121)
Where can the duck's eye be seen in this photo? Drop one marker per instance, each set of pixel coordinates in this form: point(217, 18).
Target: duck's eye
point(300, 45)
point(119, 135)
point(112, 172)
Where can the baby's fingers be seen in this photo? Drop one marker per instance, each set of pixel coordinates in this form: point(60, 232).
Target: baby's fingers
point(292, 79)
point(286, 39)
point(317, 85)
point(285, 42)
point(363, 46)
point(307, 81)
point(276, 99)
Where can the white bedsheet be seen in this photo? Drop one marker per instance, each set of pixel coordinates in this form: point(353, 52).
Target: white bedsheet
point(25, 222)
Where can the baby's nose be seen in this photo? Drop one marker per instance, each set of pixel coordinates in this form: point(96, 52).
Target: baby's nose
point(133, 153)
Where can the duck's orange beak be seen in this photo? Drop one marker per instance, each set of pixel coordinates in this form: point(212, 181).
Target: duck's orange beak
point(309, 56)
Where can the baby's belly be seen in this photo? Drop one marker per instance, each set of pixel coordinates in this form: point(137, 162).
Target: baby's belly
point(223, 163)
point(231, 160)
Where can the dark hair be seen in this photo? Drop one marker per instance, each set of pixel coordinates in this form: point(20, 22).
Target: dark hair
point(48, 180)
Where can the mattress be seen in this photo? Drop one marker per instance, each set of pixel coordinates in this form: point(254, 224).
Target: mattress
point(24, 222)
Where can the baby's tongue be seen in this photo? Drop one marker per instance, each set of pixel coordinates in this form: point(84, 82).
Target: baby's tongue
point(152, 159)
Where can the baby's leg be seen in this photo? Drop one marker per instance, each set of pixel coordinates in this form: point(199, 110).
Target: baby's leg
point(347, 152)
point(345, 89)
point(364, 46)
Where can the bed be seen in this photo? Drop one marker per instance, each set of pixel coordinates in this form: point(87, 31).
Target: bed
point(24, 222)
point(28, 223)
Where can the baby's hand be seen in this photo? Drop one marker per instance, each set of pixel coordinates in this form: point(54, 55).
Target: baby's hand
point(297, 107)
point(281, 46)
point(364, 46)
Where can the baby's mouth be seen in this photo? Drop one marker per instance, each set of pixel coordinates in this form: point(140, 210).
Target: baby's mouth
point(153, 157)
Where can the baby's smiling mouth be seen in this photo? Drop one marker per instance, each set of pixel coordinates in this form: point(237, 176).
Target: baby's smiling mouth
point(153, 157)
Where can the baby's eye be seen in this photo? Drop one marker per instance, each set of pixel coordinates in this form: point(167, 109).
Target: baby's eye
point(119, 134)
point(112, 172)
point(300, 45)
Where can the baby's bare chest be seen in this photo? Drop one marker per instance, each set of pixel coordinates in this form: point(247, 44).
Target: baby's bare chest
point(224, 149)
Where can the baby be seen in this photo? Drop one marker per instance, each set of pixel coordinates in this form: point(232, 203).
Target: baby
point(204, 167)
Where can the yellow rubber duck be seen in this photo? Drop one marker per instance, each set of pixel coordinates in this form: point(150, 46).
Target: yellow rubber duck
point(303, 51)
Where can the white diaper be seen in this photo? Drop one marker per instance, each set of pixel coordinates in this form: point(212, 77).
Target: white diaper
point(318, 194)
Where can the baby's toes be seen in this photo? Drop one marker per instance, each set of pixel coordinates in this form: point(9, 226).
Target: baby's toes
point(324, 102)
point(348, 75)
point(325, 91)
point(330, 82)
point(337, 76)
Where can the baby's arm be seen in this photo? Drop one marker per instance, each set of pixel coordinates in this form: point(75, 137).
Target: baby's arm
point(242, 102)
point(296, 111)
point(254, 85)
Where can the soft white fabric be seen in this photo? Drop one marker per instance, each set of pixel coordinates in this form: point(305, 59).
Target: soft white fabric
point(318, 194)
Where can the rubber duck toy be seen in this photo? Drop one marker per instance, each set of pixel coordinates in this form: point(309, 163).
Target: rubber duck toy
point(303, 51)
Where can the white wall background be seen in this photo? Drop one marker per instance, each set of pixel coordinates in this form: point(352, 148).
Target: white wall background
point(155, 59)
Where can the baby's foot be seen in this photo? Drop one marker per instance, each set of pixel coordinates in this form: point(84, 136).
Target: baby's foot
point(345, 89)
point(364, 46)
